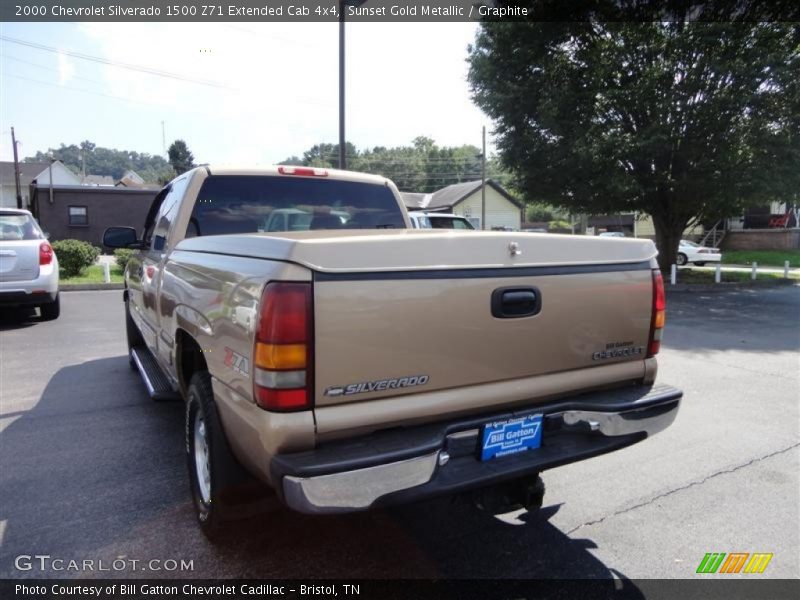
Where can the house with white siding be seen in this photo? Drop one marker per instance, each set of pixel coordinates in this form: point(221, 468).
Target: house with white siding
point(30, 172)
point(464, 200)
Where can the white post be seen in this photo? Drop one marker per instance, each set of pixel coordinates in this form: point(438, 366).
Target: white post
point(753, 273)
point(673, 273)
point(786, 269)
point(718, 274)
point(106, 272)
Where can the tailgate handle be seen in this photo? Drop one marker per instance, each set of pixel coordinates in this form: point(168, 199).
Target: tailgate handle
point(516, 302)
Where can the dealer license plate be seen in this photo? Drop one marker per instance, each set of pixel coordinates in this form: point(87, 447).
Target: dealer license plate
point(510, 436)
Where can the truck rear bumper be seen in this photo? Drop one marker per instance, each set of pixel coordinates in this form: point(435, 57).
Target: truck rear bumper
point(409, 464)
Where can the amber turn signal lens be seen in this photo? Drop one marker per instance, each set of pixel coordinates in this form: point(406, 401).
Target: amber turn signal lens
point(281, 356)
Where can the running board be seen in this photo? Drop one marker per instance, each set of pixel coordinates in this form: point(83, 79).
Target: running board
point(158, 386)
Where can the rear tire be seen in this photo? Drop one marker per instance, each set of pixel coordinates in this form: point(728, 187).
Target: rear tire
point(215, 476)
point(682, 259)
point(132, 334)
point(51, 310)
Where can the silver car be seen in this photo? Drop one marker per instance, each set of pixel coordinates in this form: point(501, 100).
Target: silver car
point(28, 265)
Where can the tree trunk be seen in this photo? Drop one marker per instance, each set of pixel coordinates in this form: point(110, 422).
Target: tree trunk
point(668, 236)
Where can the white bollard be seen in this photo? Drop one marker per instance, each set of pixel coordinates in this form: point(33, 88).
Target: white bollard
point(718, 274)
point(753, 273)
point(786, 269)
point(673, 274)
point(107, 272)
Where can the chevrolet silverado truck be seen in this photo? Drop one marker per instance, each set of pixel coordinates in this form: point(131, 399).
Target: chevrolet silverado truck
point(360, 363)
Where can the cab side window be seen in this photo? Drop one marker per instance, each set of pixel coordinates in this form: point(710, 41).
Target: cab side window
point(166, 215)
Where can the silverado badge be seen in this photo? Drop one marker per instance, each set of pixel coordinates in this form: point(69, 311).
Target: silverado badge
point(379, 385)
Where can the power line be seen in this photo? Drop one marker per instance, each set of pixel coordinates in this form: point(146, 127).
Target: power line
point(93, 93)
point(53, 69)
point(73, 89)
point(467, 163)
point(113, 63)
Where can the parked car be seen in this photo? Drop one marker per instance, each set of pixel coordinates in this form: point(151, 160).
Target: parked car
point(28, 265)
point(691, 252)
point(293, 355)
point(433, 220)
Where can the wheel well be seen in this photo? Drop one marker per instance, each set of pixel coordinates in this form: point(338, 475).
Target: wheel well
point(189, 359)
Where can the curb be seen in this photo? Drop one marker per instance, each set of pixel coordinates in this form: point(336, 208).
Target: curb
point(721, 287)
point(84, 287)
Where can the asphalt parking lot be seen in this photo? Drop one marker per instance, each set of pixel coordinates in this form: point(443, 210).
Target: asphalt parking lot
point(90, 468)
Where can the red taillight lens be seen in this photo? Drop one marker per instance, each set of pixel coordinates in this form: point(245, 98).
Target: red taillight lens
point(282, 400)
point(659, 314)
point(45, 253)
point(284, 313)
point(303, 171)
point(282, 377)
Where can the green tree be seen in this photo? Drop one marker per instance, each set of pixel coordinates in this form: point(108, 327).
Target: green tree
point(421, 167)
point(180, 157)
point(685, 121)
point(107, 161)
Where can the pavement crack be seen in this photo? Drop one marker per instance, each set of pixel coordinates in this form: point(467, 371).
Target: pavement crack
point(684, 487)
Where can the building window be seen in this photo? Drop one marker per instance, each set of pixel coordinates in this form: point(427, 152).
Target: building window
point(78, 215)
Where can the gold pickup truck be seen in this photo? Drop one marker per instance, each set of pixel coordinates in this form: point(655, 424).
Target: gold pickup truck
point(327, 350)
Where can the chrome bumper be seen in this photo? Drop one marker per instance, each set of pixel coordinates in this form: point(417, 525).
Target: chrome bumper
point(350, 491)
point(360, 489)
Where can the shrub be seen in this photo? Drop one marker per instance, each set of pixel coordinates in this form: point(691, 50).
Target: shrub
point(74, 256)
point(559, 225)
point(538, 214)
point(122, 256)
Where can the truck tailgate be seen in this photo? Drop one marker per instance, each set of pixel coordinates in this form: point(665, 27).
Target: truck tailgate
point(438, 333)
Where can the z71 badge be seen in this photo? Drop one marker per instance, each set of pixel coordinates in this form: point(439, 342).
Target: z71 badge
point(377, 386)
point(237, 362)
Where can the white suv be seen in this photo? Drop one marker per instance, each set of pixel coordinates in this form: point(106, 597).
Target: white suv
point(434, 220)
point(28, 265)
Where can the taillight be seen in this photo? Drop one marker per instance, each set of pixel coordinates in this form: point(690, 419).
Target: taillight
point(659, 314)
point(304, 171)
point(283, 351)
point(45, 253)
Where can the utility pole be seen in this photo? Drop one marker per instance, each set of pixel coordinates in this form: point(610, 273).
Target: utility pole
point(342, 157)
point(16, 169)
point(483, 178)
point(50, 175)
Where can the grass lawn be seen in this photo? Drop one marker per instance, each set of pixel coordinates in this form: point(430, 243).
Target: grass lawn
point(767, 258)
point(94, 274)
point(692, 276)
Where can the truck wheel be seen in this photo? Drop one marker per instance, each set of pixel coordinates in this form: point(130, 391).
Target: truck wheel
point(133, 335)
point(682, 259)
point(51, 310)
point(214, 473)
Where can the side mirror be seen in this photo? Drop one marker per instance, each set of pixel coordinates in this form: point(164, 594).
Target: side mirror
point(121, 237)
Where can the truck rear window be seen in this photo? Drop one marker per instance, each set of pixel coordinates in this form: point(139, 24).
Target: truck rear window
point(230, 204)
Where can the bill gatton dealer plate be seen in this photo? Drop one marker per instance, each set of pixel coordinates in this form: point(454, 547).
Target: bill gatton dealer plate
point(511, 436)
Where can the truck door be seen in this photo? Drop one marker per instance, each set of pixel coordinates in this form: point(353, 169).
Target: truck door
point(153, 259)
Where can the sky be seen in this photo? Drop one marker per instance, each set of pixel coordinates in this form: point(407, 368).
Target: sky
point(235, 92)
